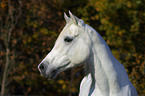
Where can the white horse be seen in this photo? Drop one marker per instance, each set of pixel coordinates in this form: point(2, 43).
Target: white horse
point(77, 44)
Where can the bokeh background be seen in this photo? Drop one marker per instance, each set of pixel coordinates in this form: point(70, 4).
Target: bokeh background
point(29, 28)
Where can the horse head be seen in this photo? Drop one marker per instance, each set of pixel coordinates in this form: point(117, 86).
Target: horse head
point(72, 48)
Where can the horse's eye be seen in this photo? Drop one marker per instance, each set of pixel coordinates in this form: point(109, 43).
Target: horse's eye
point(68, 39)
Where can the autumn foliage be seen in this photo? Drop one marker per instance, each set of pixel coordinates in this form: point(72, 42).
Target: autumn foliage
point(34, 26)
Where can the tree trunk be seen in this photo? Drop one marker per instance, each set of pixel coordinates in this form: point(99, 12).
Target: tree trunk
point(5, 72)
point(8, 26)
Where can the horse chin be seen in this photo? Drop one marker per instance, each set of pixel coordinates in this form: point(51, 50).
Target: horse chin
point(53, 74)
point(57, 71)
point(50, 76)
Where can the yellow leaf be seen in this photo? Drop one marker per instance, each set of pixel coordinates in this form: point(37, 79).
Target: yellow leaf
point(63, 86)
point(60, 81)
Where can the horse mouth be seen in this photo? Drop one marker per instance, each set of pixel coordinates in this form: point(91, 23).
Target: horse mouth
point(57, 71)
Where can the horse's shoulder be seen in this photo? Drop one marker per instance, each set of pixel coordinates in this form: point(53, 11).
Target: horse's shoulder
point(127, 90)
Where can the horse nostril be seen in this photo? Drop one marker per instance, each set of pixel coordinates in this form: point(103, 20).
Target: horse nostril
point(41, 67)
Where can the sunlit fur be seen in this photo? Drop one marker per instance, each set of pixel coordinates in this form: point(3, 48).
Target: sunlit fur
point(105, 75)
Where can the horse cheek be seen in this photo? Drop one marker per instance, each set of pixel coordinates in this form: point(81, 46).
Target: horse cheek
point(83, 53)
point(79, 53)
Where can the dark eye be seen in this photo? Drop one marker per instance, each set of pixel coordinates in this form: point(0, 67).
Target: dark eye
point(68, 39)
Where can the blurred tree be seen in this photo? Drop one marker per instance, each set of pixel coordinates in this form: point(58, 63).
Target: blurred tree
point(8, 22)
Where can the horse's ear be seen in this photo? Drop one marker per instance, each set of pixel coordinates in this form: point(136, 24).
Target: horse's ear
point(76, 20)
point(67, 19)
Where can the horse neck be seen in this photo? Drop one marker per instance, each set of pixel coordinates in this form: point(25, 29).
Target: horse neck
point(103, 66)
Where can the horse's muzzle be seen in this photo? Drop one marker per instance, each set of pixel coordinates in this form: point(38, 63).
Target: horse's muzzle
point(42, 68)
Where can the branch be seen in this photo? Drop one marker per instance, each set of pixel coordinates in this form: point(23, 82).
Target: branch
point(10, 23)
